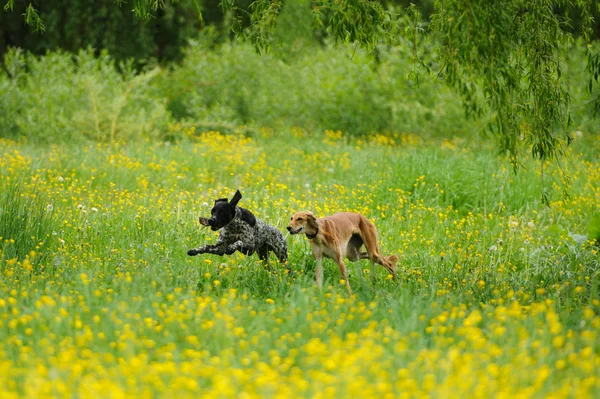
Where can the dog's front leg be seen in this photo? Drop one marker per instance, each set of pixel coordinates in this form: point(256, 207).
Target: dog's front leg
point(318, 254)
point(215, 249)
point(239, 246)
point(344, 272)
point(319, 272)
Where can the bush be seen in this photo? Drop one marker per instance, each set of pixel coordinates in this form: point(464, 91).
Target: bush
point(324, 88)
point(65, 97)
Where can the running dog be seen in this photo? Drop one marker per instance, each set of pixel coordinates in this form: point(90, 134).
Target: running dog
point(241, 231)
point(338, 235)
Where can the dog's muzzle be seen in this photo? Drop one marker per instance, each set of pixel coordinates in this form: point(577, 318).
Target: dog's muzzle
point(204, 221)
point(292, 231)
point(209, 223)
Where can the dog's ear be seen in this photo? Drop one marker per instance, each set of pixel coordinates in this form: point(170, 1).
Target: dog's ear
point(311, 220)
point(248, 217)
point(220, 200)
point(236, 198)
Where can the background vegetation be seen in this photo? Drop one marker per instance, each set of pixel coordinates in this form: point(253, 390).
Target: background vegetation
point(396, 85)
point(110, 149)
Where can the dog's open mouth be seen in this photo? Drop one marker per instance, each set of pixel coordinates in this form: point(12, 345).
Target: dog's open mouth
point(204, 221)
point(297, 231)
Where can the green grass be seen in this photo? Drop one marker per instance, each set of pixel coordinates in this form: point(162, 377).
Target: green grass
point(494, 294)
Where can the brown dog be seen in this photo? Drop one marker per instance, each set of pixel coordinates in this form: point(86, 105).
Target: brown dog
point(338, 235)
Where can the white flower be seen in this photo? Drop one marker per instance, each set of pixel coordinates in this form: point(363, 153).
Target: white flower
point(60, 179)
point(531, 225)
point(94, 209)
point(49, 207)
point(493, 248)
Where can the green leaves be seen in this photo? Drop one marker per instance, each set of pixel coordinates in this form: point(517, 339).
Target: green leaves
point(503, 59)
point(32, 18)
point(594, 228)
point(262, 21)
point(354, 21)
point(593, 70)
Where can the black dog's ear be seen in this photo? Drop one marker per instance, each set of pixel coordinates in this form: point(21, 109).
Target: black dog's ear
point(221, 200)
point(236, 198)
point(248, 217)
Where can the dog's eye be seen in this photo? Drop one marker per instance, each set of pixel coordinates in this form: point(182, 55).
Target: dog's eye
point(300, 219)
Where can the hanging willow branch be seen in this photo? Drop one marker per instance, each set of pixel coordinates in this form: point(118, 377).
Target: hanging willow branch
point(503, 58)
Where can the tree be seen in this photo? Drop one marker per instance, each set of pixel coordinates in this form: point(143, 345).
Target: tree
point(502, 57)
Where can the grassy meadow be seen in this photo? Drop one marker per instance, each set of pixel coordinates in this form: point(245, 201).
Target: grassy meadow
point(498, 295)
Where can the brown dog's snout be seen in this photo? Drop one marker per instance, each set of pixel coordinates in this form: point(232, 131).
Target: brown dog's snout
point(289, 228)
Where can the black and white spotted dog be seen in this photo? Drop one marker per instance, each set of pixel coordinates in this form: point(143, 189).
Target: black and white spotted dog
point(241, 231)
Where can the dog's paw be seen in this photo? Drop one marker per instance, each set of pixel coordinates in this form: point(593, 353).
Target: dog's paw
point(193, 252)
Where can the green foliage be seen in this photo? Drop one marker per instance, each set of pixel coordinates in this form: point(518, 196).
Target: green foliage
point(26, 223)
point(321, 89)
point(504, 58)
point(593, 69)
point(74, 25)
point(594, 228)
point(294, 33)
point(32, 18)
point(61, 97)
point(360, 21)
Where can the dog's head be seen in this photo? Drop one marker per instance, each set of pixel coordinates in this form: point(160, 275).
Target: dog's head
point(222, 212)
point(303, 222)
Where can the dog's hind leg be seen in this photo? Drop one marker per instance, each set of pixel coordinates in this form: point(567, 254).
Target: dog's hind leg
point(353, 252)
point(263, 255)
point(280, 250)
point(369, 235)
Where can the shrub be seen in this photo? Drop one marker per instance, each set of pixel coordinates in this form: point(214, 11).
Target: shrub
point(324, 88)
point(64, 97)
